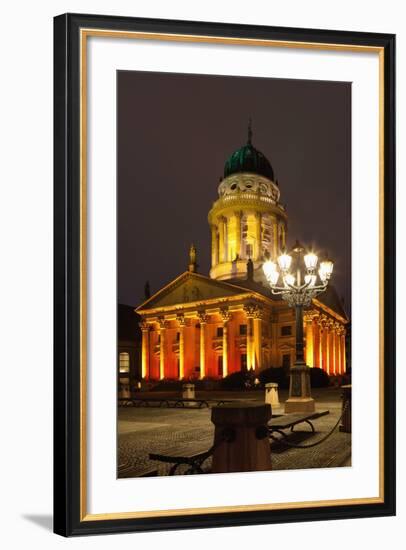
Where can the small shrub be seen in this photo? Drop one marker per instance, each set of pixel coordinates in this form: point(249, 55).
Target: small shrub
point(279, 375)
point(236, 381)
point(208, 384)
point(319, 378)
point(346, 379)
point(168, 385)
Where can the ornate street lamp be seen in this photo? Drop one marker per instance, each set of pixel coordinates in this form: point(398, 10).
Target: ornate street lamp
point(297, 278)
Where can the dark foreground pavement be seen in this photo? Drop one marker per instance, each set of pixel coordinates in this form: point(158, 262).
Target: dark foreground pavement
point(186, 432)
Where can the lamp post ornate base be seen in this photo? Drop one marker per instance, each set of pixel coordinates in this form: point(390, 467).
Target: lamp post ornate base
point(300, 399)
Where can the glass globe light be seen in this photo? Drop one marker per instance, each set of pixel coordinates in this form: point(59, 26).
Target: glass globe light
point(326, 267)
point(322, 275)
point(310, 280)
point(273, 278)
point(311, 260)
point(289, 279)
point(284, 261)
point(269, 267)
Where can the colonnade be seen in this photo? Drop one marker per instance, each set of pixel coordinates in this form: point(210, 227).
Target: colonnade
point(253, 316)
point(325, 343)
point(324, 346)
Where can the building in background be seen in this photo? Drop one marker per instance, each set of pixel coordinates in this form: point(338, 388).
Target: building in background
point(201, 326)
point(128, 349)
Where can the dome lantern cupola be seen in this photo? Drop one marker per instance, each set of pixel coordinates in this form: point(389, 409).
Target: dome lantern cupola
point(249, 160)
point(247, 221)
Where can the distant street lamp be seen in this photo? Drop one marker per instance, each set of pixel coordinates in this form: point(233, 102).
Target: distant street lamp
point(297, 280)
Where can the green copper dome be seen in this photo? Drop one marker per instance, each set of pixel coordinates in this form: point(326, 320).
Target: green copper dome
point(248, 159)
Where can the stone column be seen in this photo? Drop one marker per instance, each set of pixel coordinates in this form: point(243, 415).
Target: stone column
point(214, 246)
point(250, 344)
point(238, 218)
point(226, 316)
point(226, 239)
point(181, 322)
point(331, 348)
point(338, 347)
point(162, 351)
point(257, 339)
point(241, 437)
point(283, 236)
point(275, 247)
point(323, 344)
point(221, 252)
point(343, 353)
point(309, 340)
point(316, 330)
point(145, 349)
point(326, 355)
point(258, 235)
point(249, 312)
point(203, 318)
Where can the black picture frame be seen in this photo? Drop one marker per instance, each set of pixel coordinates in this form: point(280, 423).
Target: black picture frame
point(68, 520)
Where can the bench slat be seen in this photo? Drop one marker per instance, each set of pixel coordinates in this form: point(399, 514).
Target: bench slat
point(289, 420)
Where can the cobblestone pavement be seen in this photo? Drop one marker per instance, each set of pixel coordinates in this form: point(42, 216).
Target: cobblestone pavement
point(185, 432)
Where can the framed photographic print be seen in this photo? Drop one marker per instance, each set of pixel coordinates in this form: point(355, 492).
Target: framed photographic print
point(224, 274)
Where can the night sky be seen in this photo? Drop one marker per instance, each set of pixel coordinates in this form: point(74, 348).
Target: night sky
point(175, 133)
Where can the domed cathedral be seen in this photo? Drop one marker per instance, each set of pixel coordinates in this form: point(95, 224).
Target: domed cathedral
point(247, 221)
point(200, 326)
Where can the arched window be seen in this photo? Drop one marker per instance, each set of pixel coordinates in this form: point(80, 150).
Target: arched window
point(124, 362)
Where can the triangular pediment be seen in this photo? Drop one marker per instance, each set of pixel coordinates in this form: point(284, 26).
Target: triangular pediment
point(189, 288)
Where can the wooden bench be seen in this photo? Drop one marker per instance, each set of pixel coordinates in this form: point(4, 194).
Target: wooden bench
point(285, 421)
point(193, 461)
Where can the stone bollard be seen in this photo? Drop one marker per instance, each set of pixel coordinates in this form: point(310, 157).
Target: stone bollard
point(345, 425)
point(271, 394)
point(188, 392)
point(124, 391)
point(242, 437)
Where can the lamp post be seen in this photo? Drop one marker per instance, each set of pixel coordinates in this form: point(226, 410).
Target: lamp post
point(297, 280)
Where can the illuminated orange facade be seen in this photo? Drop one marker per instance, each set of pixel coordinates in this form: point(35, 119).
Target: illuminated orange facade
point(201, 326)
